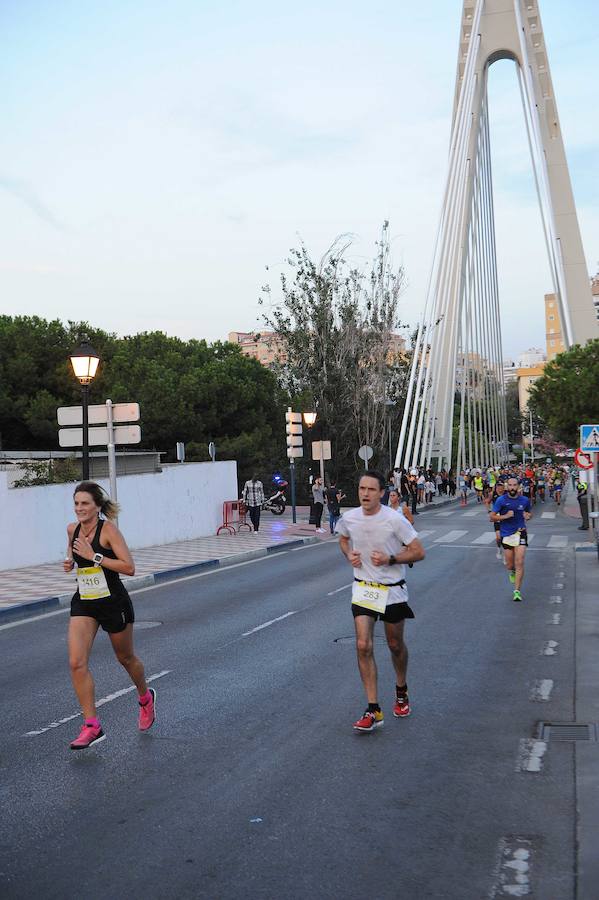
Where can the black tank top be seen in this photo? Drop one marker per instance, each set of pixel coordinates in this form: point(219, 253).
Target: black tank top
point(113, 579)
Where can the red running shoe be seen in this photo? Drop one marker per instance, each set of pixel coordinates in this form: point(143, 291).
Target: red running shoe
point(89, 735)
point(369, 721)
point(147, 712)
point(402, 707)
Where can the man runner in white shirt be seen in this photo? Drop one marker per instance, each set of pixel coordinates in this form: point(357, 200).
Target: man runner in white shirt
point(377, 542)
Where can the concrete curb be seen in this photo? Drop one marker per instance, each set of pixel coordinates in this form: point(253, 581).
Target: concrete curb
point(137, 583)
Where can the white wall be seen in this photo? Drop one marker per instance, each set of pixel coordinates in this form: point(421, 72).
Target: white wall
point(178, 504)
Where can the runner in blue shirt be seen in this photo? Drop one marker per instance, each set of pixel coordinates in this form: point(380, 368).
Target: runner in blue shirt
point(513, 511)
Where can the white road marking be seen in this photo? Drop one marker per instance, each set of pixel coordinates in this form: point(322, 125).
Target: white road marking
point(530, 755)
point(559, 586)
point(487, 538)
point(444, 514)
point(338, 590)
point(541, 690)
point(548, 515)
point(550, 648)
point(108, 699)
point(155, 587)
point(558, 540)
point(511, 877)
point(560, 575)
point(424, 534)
point(270, 622)
point(530, 536)
point(450, 537)
point(556, 619)
point(555, 598)
point(472, 512)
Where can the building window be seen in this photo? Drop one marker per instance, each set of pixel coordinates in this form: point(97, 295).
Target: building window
point(551, 318)
point(552, 343)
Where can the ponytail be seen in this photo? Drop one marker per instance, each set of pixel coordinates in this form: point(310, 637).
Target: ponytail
point(108, 507)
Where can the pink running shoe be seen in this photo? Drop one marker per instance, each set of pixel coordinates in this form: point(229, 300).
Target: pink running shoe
point(147, 712)
point(89, 735)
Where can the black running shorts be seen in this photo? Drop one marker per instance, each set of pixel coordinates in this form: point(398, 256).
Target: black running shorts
point(395, 613)
point(112, 614)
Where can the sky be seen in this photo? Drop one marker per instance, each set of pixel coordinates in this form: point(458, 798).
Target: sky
point(157, 158)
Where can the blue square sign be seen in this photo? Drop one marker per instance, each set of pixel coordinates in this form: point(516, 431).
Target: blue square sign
point(589, 438)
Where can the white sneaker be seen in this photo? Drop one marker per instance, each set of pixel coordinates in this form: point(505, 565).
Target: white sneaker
point(320, 530)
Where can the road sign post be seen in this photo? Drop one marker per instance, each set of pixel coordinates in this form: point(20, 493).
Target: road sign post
point(321, 450)
point(111, 452)
point(295, 450)
point(98, 429)
point(365, 452)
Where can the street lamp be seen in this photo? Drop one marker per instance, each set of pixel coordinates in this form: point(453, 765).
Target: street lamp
point(84, 360)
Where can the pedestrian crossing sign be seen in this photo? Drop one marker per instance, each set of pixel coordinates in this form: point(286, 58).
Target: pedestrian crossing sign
point(589, 438)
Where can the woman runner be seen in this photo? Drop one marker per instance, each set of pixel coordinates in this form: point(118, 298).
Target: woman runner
point(98, 550)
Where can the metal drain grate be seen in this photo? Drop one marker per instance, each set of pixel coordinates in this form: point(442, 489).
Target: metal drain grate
point(569, 731)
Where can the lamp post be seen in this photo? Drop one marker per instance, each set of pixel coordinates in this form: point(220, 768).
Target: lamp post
point(84, 360)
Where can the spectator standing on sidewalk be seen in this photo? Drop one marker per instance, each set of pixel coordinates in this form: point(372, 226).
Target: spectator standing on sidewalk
point(582, 496)
point(334, 497)
point(253, 497)
point(318, 503)
point(413, 489)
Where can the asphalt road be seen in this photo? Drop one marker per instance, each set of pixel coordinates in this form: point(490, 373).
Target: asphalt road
point(252, 783)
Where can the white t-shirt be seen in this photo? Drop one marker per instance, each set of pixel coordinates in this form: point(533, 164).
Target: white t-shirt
point(387, 531)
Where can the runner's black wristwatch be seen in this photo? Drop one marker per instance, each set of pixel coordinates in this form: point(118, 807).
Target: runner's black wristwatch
point(392, 560)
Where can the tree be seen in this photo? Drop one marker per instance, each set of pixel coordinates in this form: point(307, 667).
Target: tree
point(187, 390)
point(566, 395)
point(336, 323)
point(514, 417)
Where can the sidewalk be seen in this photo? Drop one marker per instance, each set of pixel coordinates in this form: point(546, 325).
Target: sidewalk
point(39, 589)
point(29, 591)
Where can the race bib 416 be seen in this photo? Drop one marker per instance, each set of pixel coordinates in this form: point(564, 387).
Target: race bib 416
point(92, 583)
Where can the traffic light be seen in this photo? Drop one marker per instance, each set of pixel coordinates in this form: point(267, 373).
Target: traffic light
point(294, 434)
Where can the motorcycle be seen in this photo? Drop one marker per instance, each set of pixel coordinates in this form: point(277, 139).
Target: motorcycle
point(277, 503)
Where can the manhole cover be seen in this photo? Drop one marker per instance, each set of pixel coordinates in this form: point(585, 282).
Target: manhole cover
point(148, 624)
point(378, 639)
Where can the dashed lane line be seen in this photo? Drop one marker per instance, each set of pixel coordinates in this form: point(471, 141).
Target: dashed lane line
point(269, 623)
point(108, 699)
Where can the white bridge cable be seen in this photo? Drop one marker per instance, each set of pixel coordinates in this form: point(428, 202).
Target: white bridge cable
point(497, 356)
point(417, 398)
point(446, 287)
